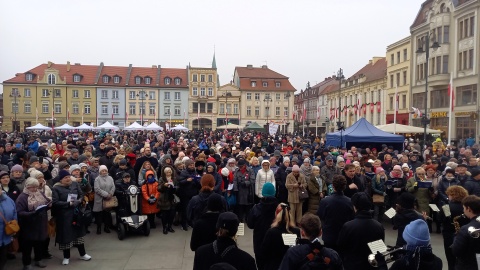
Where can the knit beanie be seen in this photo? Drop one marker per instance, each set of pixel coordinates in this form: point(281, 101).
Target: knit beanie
point(188, 162)
point(406, 200)
point(416, 233)
point(379, 170)
point(74, 167)
point(268, 190)
point(286, 159)
point(340, 159)
point(62, 174)
point(17, 168)
point(102, 167)
point(295, 168)
point(397, 167)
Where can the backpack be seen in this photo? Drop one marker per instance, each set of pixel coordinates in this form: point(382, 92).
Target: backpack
point(316, 259)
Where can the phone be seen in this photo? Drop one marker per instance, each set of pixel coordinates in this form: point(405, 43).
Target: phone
point(82, 174)
point(40, 160)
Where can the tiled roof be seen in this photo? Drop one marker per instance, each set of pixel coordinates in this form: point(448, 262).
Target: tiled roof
point(372, 71)
point(173, 73)
point(260, 76)
point(422, 13)
point(87, 71)
point(112, 71)
point(143, 72)
point(258, 72)
point(331, 88)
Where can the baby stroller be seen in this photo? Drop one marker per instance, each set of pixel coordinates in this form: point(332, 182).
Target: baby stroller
point(128, 216)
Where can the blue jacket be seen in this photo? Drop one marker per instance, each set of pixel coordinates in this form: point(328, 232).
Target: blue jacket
point(33, 146)
point(9, 211)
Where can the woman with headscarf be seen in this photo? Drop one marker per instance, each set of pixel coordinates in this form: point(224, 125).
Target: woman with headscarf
point(67, 196)
point(32, 206)
point(104, 188)
point(306, 168)
point(59, 150)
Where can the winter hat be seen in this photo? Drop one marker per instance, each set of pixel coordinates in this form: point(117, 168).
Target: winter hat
point(122, 162)
point(295, 168)
point(340, 159)
point(31, 182)
point(148, 173)
point(356, 163)
point(62, 174)
point(185, 159)
point(188, 162)
point(268, 190)
point(228, 221)
point(225, 172)
point(17, 168)
point(231, 160)
point(361, 201)
point(265, 161)
point(62, 165)
point(379, 170)
point(215, 203)
point(276, 153)
point(199, 163)
point(397, 167)
point(406, 200)
point(416, 233)
point(102, 167)
point(82, 165)
point(305, 153)
point(2, 173)
point(295, 159)
point(306, 160)
point(450, 170)
point(405, 165)
point(74, 167)
point(33, 159)
point(286, 159)
point(241, 162)
point(208, 182)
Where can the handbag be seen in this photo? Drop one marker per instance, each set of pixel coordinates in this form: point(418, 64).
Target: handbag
point(377, 198)
point(52, 226)
point(302, 194)
point(86, 215)
point(13, 246)
point(11, 227)
point(113, 202)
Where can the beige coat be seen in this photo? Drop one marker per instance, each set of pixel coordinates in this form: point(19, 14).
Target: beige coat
point(292, 187)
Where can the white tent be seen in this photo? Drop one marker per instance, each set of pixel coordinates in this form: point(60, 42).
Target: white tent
point(135, 126)
point(230, 126)
point(403, 129)
point(106, 126)
point(153, 126)
point(65, 127)
point(84, 127)
point(179, 127)
point(38, 127)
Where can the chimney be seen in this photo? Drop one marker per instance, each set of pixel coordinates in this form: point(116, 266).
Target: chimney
point(18, 74)
point(250, 66)
point(264, 66)
point(49, 64)
point(68, 66)
point(77, 64)
point(154, 66)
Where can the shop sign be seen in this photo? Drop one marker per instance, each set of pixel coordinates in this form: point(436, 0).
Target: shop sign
point(438, 114)
point(463, 113)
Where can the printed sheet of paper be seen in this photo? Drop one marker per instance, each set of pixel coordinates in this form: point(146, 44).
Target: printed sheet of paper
point(378, 245)
point(446, 210)
point(230, 187)
point(434, 207)
point(478, 260)
point(72, 197)
point(40, 207)
point(289, 239)
point(390, 213)
point(241, 229)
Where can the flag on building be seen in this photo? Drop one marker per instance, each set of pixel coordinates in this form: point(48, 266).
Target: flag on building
point(318, 112)
point(451, 92)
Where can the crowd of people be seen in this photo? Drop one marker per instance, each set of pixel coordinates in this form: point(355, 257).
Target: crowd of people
point(332, 200)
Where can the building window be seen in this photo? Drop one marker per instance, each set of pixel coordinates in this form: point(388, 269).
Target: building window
point(466, 95)
point(45, 108)
point(105, 79)
point(249, 110)
point(151, 109)
point(235, 108)
point(229, 108)
point(167, 110)
point(209, 107)
point(277, 111)
point(277, 96)
point(86, 108)
point(202, 91)
point(202, 78)
point(437, 65)
point(445, 64)
point(398, 57)
point(267, 111)
point(391, 103)
point(86, 93)
point(405, 78)
point(194, 91)
point(151, 95)
point(177, 110)
point(285, 96)
point(116, 79)
point(27, 108)
point(142, 109)
point(57, 93)
point(168, 81)
point(75, 93)
point(166, 95)
point(75, 108)
point(194, 77)
point(58, 108)
point(285, 111)
point(26, 92)
point(195, 107)
point(253, 84)
point(391, 81)
point(104, 109)
point(392, 59)
point(132, 109)
point(465, 127)
point(51, 79)
point(222, 108)
point(115, 109)
point(265, 84)
point(210, 78)
point(418, 101)
point(439, 99)
point(29, 77)
point(277, 84)
point(257, 96)
point(404, 55)
point(148, 80)
point(115, 94)
point(177, 95)
point(470, 59)
point(404, 101)
point(104, 94)
point(210, 91)
point(178, 81)
point(249, 96)
point(76, 78)
point(131, 94)
point(257, 111)
point(466, 27)
point(398, 78)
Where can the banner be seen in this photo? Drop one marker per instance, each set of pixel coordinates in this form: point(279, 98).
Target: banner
point(272, 129)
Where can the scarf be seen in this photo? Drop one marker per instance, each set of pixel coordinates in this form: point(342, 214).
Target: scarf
point(306, 171)
point(35, 199)
point(414, 254)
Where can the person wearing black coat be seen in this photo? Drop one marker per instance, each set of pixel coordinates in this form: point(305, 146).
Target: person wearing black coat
point(260, 220)
point(121, 186)
point(212, 169)
point(117, 171)
point(147, 156)
point(405, 214)
point(354, 184)
point(447, 180)
point(188, 186)
point(464, 246)
point(355, 235)
point(281, 179)
point(473, 184)
point(334, 211)
point(204, 231)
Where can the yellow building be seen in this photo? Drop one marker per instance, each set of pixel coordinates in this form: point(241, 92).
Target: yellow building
point(228, 105)
point(398, 80)
point(361, 95)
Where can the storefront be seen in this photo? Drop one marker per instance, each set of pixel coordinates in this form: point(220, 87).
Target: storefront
point(466, 123)
point(439, 121)
point(402, 118)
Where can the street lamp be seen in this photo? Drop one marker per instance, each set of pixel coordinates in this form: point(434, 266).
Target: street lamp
point(327, 124)
point(142, 96)
point(340, 77)
point(288, 110)
point(267, 99)
point(15, 95)
point(435, 46)
point(308, 129)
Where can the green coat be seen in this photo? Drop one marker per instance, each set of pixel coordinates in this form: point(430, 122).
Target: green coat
point(423, 195)
point(314, 191)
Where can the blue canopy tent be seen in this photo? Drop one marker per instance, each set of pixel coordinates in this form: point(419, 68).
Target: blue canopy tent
point(363, 134)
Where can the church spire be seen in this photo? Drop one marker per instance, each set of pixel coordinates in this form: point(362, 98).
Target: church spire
point(214, 62)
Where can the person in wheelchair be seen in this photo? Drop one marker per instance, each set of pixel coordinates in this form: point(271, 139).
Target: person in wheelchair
point(121, 186)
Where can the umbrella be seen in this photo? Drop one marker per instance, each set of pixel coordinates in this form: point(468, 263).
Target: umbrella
point(107, 126)
point(154, 126)
point(65, 127)
point(39, 127)
point(254, 126)
point(179, 127)
point(135, 126)
point(229, 126)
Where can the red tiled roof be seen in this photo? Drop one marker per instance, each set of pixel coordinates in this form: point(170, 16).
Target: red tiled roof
point(331, 88)
point(143, 72)
point(112, 71)
point(87, 71)
point(258, 73)
point(173, 73)
point(261, 75)
point(373, 72)
point(422, 13)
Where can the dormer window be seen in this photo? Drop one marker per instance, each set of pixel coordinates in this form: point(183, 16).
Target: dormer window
point(178, 81)
point(29, 77)
point(76, 78)
point(138, 80)
point(116, 79)
point(148, 80)
point(168, 81)
point(106, 78)
point(253, 84)
point(265, 84)
point(277, 84)
point(52, 79)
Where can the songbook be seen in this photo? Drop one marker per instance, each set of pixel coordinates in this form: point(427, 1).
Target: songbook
point(241, 229)
point(289, 239)
point(424, 184)
point(72, 197)
point(434, 207)
point(378, 245)
point(446, 210)
point(40, 207)
point(390, 213)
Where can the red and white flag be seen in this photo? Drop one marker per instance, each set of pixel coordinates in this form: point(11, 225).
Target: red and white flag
point(68, 114)
point(451, 92)
point(318, 112)
point(304, 112)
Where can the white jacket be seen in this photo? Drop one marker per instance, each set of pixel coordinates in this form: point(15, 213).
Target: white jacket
point(262, 178)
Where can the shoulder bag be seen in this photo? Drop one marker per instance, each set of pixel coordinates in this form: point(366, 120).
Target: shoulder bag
point(11, 227)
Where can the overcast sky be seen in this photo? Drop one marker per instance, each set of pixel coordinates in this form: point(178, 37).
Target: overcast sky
point(306, 40)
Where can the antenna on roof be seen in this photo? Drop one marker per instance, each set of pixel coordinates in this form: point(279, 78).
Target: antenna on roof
point(266, 63)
